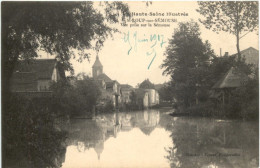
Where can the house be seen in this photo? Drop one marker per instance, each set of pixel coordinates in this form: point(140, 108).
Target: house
point(34, 77)
point(142, 98)
point(109, 86)
point(126, 92)
point(251, 56)
point(232, 79)
point(153, 95)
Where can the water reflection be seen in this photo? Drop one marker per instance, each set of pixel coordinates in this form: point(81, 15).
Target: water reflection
point(155, 139)
point(200, 143)
point(118, 140)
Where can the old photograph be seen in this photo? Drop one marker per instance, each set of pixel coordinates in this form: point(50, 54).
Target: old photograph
point(130, 84)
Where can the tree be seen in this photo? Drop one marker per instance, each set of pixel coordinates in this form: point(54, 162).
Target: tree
point(166, 92)
point(77, 98)
point(244, 100)
point(219, 67)
point(235, 17)
point(87, 93)
point(187, 61)
point(58, 28)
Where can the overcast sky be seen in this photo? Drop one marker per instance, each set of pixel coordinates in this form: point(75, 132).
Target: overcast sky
point(131, 66)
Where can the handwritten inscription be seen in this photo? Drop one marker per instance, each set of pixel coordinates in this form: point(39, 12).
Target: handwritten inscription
point(152, 41)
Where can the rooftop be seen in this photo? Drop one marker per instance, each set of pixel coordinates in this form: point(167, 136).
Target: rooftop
point(251, 55)
point(104, 77)
point(43, 68)
point(233, 78)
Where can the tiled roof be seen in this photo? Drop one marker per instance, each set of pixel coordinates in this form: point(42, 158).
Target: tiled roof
point(43, 68)
point(104, 77)
point(126, 86)
point(146, 84)
point(27, 72)
point(233, 78)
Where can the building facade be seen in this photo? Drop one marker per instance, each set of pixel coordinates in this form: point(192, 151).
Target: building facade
point(34, 77)
point(126, 93)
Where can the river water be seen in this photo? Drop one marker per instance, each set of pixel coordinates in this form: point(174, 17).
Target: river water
point(153, 138)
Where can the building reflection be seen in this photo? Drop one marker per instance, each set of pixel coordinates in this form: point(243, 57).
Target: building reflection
point(87, 134)
point(194, 142)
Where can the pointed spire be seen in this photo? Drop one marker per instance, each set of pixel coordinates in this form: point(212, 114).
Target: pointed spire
point(97, 62)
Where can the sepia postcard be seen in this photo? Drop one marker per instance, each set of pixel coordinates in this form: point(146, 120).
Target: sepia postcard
point(130, 84)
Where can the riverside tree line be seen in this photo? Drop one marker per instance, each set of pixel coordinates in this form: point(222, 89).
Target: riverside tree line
point(194, 68)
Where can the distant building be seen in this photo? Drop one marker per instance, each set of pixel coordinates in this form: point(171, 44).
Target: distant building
point(97, 68)
point(111, 88)
point(142, 98)
point(34, 77)
point(251, 56)
point(153, 97)
point(126, 92)
point(148, 94)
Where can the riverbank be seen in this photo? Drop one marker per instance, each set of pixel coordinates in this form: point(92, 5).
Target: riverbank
point(212, 111)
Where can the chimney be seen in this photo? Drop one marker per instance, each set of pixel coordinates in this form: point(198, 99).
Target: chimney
point(226, 54)
point(220, 50)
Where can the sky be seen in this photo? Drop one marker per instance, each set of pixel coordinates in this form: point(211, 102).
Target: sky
point(143, 61)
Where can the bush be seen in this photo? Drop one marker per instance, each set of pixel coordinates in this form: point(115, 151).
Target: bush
point(77, 99)
point(109, 107)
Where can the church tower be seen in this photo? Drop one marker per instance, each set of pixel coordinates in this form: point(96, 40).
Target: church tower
point(97, 68)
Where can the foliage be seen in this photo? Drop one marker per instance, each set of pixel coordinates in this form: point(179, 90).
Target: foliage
point(76, 99)
point(235, 17)
point(195, 71)
point(58, 28)
point(34, 121)
point(87, 93)
point(219, 67)
point(63, 29)
point(31, 135)
point(166, 92)
point(105, 106)
point(109, 106)
point(187, 61)
point(245, 100)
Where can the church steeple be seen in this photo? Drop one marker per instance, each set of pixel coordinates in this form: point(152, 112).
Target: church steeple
point(97, 68)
